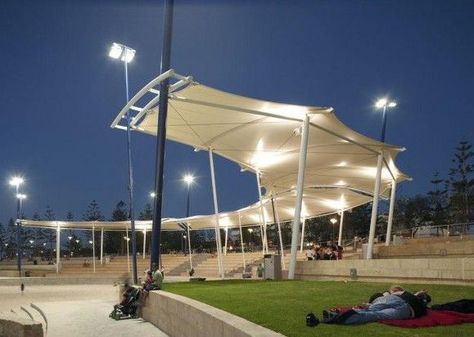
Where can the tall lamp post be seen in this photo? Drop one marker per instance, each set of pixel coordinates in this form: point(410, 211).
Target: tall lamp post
point(126, 55)
point(17, 181)
point(188, 180)
point(383, 104)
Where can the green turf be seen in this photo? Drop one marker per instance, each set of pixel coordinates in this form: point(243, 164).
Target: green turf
point(282, 305)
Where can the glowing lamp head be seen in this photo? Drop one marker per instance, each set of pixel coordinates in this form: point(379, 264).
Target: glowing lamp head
point(122, 52)
point(16, 181)
point(115, 51)
point(333, 220)
point(21, 196)
point(381, 103)
point(152, 194)
point(188, 179)
point(384, 103)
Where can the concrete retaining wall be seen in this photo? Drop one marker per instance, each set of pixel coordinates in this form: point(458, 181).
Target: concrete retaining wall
point(19, 327)
point(423, 248)
point(443, 270)
point(180, 316)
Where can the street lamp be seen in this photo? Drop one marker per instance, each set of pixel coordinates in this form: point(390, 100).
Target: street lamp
point(126, 55)
point(17, 181)
point(384, 103)
point(152, 194)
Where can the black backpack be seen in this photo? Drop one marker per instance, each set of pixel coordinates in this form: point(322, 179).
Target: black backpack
point(311, 320)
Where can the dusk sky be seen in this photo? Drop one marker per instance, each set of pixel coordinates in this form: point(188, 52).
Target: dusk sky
point(60, 91)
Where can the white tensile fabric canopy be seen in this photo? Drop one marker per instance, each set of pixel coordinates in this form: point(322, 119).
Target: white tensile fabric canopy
point(315, 198)
point(264, 137)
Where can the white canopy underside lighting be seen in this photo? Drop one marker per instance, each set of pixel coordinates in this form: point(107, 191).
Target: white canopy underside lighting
point(265, 137)
point(321, 199)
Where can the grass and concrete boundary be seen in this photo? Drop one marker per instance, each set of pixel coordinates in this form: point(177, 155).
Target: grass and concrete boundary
point(179, 316)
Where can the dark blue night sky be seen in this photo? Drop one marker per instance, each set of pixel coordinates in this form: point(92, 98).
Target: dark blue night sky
point(60, 91)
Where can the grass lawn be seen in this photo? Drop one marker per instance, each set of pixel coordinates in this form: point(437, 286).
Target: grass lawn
point(282, 305)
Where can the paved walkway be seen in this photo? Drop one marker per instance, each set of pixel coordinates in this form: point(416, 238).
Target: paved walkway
point(77, 311)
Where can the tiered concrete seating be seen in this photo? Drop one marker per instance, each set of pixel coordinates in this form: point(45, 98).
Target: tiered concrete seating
point(118, 266)
point(434, 247)
point(205, 265)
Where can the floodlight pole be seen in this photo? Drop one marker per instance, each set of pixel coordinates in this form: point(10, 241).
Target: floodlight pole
point(130, 178)
point(18, 229)
point(161, 136)
point(384, 123)
point(378, 178)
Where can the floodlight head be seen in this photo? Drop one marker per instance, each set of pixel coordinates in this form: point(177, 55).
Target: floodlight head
point(152, 194)
point(333, 220)
point(188, 179)
point(16, 181)
point(122, 52)
point(392, 104)
point(381, 103)
point(21, 196)
point(115, 51)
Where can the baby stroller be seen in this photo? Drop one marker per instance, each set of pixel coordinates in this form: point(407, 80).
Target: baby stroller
point(128, 307)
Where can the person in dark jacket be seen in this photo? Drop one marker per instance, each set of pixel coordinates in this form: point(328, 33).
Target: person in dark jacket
point(395, 304)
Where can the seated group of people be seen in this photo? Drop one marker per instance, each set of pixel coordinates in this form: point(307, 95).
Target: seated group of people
point(329, 252)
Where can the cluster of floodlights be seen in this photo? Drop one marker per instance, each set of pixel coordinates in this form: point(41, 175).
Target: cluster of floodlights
point(385, 103)
point(17, 182)
point(188, 179)
point(122, 52)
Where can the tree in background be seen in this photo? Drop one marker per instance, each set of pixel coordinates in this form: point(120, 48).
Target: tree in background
point(146, 214)
point(73, 245)
point(414, 212)
point(10, 249)
point(114, 240)
point(93, 213)
point(50, 233)
point(357, 221)
point(438, 198)
point(3, 240)
point(461, 183)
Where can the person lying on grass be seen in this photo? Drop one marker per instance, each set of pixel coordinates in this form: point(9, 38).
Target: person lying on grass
point(397, 303)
